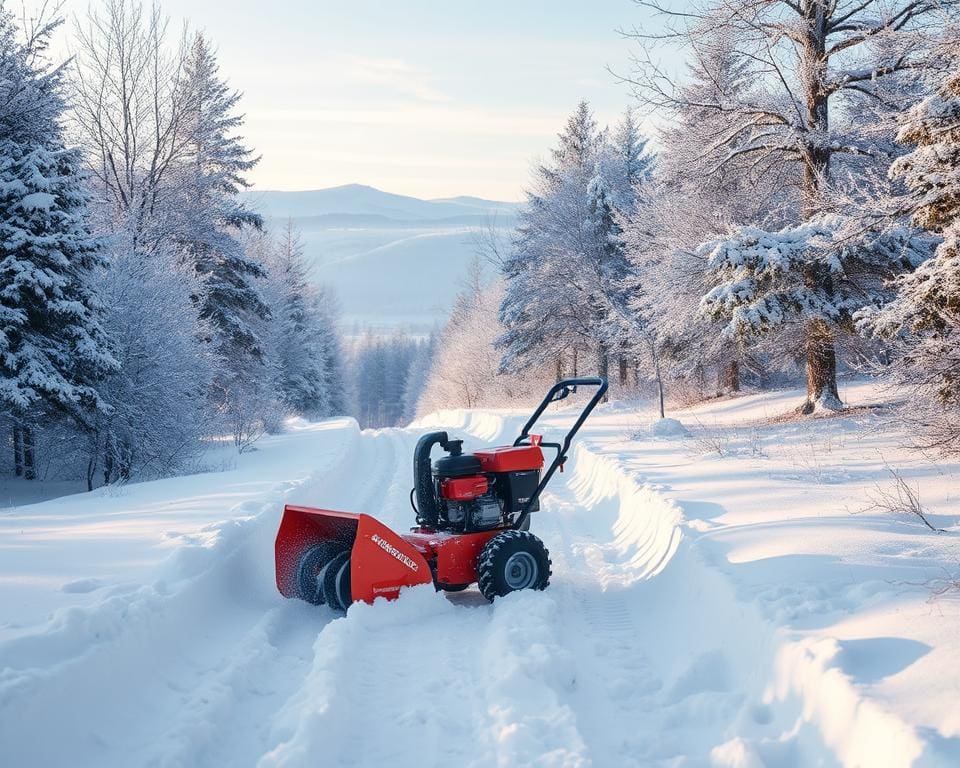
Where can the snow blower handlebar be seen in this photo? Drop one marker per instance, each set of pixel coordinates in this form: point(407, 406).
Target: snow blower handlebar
point(558, 391)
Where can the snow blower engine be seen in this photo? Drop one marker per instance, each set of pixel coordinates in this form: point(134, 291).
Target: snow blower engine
point(473, 524)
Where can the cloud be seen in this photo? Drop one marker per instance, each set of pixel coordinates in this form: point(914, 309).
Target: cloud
point(396, 75)
point(434, 118)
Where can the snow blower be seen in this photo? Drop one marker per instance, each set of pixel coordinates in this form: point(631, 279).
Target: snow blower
point(473, 520)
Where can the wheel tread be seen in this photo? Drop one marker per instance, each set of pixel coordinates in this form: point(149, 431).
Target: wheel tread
point(486, 580)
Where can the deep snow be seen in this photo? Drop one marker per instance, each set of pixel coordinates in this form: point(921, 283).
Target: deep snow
point(718, 599)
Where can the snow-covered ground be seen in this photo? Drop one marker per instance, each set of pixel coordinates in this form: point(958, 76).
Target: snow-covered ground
point(720, 598)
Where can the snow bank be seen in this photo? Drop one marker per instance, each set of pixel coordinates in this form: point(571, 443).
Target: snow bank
point(645, 524)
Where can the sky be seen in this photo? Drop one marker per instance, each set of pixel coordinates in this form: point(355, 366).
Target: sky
point(431, 98)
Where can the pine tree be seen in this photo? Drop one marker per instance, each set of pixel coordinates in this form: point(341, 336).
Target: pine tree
point(213, 167)
point(627, 162)
point(925, 315)
point(304, 345)
point(557, 274)
point(53, 349)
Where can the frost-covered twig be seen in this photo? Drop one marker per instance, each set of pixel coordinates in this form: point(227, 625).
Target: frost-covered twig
point(901, 499)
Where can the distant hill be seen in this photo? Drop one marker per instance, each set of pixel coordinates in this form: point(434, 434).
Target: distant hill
point(361, 200)
point(394, 261)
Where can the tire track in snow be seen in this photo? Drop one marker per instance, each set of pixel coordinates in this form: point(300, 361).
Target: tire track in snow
point(614, 684)
point(671, 667)
point(369, 697)
point(162, 671)
point(434, 680)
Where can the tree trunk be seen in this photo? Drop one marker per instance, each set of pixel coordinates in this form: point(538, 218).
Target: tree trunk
point(29, 460)
point(730, 377)
point(820, 349)
point(108, 460)
point(603, 364)
point(624, 370)
point(17, 452)
point(559, 367)
point(126, 460)
point(91, 470)
point(700, 379)
point(575, 362)
point(821, 369)
point(659, 377)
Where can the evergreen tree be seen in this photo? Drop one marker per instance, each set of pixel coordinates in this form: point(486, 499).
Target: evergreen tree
point(53, 349)
point(304, 347)
point(626, 162)
point(213, 167)
point(546, 313)
point(925, 315)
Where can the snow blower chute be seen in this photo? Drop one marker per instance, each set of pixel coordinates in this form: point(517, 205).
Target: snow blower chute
point(473, 520)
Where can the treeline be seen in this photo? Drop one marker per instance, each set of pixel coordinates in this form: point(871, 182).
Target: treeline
point(802, 213)
point(144, 309)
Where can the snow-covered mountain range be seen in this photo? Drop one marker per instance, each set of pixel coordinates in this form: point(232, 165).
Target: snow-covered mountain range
point(352, 200)
point(364, 243)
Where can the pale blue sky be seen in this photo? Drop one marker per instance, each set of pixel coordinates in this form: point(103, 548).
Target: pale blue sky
point(423, 97)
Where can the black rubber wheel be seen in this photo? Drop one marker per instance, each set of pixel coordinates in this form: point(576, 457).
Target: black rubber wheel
point(329, 580)
point(453, 587)
point(511, 561)
point(342, 586)
point(310, 570)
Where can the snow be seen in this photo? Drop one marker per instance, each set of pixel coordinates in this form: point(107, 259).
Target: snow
point(668, 428)
point(723, 597)
point(363, 243)
point(37, 201)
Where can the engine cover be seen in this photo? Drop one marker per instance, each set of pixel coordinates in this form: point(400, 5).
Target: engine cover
point(464, 488)
point(510, 458)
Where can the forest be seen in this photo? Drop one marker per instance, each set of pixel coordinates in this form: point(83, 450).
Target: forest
point(795, 216)
point(785, 207)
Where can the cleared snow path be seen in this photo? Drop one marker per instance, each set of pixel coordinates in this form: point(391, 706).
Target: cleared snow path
point(643, 651)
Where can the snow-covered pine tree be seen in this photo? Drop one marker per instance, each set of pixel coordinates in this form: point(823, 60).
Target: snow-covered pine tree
point(626, 167)
point(327, 341)
point(563, 276)
point(805, 57)
point(419, 376)
point(925, 315)
point(53, 349)
point(626, 161)
point(540, 322)
point(303, 345)
point(213, 165)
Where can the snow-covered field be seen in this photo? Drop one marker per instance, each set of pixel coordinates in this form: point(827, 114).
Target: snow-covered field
point(725, 598)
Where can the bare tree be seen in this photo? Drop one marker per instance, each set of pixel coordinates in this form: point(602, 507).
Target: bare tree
point(128, 112)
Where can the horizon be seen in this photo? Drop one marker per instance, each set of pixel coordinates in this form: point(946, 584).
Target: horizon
point(257, 190)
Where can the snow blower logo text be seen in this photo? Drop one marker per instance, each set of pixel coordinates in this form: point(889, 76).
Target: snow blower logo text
point(387, 547)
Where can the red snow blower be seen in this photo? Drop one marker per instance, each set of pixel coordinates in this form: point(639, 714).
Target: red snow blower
point(473, 520)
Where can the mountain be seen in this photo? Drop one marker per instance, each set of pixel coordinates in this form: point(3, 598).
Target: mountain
point(359, 199)
point(393, 260)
